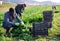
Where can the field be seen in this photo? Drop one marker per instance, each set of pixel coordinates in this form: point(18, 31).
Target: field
point(35, 14)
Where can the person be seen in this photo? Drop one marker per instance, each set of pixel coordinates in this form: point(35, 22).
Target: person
point(9, 21)
point(54, 7)
point(19, 9)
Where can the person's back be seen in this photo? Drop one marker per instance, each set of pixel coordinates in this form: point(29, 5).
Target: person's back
point(19, 9)
point(9, 22)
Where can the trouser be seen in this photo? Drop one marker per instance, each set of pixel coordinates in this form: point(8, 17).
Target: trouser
point(8, 28)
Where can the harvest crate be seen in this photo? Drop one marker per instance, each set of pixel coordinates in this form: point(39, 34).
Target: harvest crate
point(40, 29)
point(48, 16)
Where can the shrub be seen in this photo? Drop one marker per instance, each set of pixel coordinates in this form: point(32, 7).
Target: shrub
point(26, 37)
point(56, 11)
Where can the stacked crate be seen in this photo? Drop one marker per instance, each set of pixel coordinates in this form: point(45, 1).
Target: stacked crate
point(41, 28)
point(48, 17)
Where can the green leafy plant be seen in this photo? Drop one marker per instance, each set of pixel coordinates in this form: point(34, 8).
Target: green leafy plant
point(26, 37)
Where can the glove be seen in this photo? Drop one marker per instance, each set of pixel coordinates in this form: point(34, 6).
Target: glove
point(22, 23)
point(17, 24)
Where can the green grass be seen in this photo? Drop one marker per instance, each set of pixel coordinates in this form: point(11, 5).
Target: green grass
point(35, 14)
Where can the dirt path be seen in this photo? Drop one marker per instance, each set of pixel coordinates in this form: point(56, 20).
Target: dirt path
point(3, 9)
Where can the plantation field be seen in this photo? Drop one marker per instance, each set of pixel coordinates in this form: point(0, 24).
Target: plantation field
point(35, 14)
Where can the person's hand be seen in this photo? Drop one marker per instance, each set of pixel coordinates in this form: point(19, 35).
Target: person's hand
point(17, 24)
point(22, 23)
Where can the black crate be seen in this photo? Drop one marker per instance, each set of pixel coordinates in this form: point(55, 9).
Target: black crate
point(48, 16)
point(41, 33)
point(49, 24)
point(48, 19)
point(40, 29)
point(48, 13)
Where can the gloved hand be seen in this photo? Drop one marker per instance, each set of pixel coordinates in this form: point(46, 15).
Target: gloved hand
point(22, 23)
point(17, 24)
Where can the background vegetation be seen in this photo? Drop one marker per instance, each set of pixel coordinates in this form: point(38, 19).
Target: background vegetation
point(35, 14)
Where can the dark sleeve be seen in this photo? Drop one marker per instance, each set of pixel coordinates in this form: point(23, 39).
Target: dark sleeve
point(19, 20)
point(6, 19)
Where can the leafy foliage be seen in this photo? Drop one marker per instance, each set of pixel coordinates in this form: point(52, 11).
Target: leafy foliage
point(34, 14)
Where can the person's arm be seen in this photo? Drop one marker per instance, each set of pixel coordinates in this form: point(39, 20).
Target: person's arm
point(19, 20)
point(12, 23)
point(6, 19)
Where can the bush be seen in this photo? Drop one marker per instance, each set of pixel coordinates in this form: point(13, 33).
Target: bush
point(32, 18)
point(3, 38)
point(22, 33)
point(56, 11)
point(26, 37)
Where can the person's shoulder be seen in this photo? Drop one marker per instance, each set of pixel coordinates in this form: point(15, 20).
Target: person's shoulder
point(6, 13)
point(15, 13)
